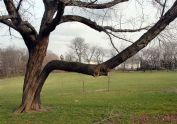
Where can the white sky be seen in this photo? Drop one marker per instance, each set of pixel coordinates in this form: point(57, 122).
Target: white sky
point(64, 33)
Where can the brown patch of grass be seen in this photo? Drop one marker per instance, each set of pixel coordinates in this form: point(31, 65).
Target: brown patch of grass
point(171, 90)
point(159, 119)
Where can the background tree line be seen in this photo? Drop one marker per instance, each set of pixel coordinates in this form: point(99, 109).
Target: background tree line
point(160, 57)
point(13, 61)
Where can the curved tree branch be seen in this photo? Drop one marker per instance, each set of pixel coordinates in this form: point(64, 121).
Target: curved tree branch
point(121, 38)
point(92, 4)
point(94, 25)
point(88, 22)
point(126, 30)
point(88, 69)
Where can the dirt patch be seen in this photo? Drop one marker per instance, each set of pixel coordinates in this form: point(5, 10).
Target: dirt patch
point(111, 119)
point(159, 119)
point(100, 90)
point(170, 90)
point(65, 94)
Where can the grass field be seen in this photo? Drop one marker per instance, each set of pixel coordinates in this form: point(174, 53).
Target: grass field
point(134, 97)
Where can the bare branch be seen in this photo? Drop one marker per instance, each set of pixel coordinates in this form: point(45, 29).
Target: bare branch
point(71, 67)
point(126, 30)
point(124, 39)
point(92, 4)
point(19, 5)
point(159, 2)
point(112, 42)
point(163, 9)
point(94, 25)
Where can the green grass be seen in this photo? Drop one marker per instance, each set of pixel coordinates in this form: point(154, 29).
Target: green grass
point(134, 97)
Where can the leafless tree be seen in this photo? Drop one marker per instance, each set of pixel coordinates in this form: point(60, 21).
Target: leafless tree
point(169, 55)
point(89, 54)
point(156, 58)
point(99, 55)
point(37, 41)
point(79, 48)
point(69, 57)
point(13, 61)
point(151, 58)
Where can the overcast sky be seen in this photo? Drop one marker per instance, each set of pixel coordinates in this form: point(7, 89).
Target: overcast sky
point(65, 33)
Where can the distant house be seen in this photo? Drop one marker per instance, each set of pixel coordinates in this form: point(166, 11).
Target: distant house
point(132, 66)
point(92, 62)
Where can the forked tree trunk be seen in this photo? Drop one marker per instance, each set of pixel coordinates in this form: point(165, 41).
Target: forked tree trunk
point(32, 80)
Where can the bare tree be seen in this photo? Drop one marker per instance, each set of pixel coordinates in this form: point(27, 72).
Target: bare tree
point(37, 42)
point(69, 57)
point(99, 55)
point(89, 54)
point(169, 55)
point(151, 58)
point(79, 47)
point(13, 61)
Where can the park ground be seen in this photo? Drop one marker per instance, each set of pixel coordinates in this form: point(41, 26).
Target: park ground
point(133, 98)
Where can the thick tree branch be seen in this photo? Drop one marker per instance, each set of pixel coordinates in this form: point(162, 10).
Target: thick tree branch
point(94, 25)
point(88, 69)
point(94, 70)
point(125, 30)
point(93, 5)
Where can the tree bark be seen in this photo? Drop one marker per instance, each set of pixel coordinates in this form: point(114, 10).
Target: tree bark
point(31, 81)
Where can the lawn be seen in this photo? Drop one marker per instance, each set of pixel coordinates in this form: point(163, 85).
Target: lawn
point(134, 97)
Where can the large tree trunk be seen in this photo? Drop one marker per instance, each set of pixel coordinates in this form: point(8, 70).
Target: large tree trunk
point(31, 81)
